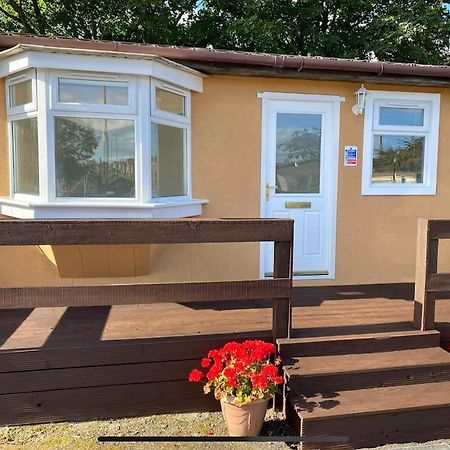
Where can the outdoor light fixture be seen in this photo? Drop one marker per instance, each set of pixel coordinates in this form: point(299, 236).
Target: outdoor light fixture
point(361, 95)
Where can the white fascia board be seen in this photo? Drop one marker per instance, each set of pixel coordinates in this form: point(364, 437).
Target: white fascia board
point(102, 64)
point(13, 64)
point(186, 80)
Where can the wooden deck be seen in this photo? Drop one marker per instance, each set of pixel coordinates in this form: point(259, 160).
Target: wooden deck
point(111, 361)
point(317, 311)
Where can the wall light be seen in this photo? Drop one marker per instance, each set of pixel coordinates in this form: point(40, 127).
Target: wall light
point(361, 95)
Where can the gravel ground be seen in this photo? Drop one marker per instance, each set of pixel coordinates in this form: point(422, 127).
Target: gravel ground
point(83, 435)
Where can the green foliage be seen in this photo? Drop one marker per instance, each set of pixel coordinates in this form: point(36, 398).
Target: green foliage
point(400, 30)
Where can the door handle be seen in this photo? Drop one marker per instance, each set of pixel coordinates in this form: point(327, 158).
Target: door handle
point(269, 187)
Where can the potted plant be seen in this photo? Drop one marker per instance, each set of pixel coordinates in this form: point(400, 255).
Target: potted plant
point(243, 379)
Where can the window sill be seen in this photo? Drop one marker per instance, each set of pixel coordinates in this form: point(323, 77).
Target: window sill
point(399, 190)
point(99, 210)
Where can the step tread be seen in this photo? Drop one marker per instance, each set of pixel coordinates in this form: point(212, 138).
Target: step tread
point(351, 337)
point(329, 405)
point(361, 362)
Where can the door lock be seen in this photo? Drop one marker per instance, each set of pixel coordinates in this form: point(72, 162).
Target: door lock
point(269, 187)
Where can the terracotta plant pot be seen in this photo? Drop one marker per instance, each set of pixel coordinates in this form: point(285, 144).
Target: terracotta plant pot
point(246, 420)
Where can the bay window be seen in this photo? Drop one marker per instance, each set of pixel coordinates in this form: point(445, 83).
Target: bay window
point(400, 143)
point(89, 144)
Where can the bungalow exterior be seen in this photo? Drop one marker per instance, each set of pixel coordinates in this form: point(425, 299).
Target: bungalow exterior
point(119, 130)
point(109, 130)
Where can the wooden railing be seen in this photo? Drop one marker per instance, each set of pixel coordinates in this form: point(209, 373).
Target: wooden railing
point(77, 232)
point(429, 283)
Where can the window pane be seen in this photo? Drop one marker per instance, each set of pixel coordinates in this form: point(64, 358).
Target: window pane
point(401, 116)
point(298, 153)
point(20, 93)
point(26, 156)
point(168, 161)
point(93, 92)
point(398, 159)
point(170, 102)
point(94, 157)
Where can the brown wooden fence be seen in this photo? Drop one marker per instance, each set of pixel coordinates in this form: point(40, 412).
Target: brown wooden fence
point(429, 283)
point(74, 232)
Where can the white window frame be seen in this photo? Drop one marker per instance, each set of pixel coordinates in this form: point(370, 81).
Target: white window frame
point(161, 117)
point(141, 109)
point(55, 104)
point(430, 103)
point(16, 79)
point(12, 178)
point(159, 113)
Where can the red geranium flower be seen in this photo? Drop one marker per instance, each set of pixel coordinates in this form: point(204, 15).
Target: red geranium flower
point(195, 375)
point(206, 362)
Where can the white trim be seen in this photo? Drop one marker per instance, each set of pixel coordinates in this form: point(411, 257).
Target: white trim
point(97, 210)
point(299, 97)
point(430, 130)
point(109, 62)
point(333, 176)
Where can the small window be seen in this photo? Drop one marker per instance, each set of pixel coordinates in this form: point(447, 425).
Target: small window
point(21, 90)
point(25, 156)
point(168, 161)
point(170, 102)
point(93, 92)
point(20, 93)
point(401, 116)
point(400, 144)
point(95, 157)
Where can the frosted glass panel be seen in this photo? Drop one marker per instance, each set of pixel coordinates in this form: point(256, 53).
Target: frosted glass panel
point(26, 157)
point(398, 159)
point(298, 153)
point(401, 116)
point(168, 161)
point(170, 102)
point(95, 157)
point(20, 93)
point(93, 92)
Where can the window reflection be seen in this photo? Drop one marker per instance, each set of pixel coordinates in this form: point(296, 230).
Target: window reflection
point(94, 157)
point(398, 159)
point(298, 153)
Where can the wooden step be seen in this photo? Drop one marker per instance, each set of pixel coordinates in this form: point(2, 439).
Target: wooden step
point(377, 416)
point(358, 343)
point(365, 370)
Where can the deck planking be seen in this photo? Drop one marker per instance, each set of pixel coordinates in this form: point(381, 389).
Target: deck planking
point(58, 363)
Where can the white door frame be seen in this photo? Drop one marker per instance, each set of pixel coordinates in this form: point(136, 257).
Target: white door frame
point(335, 101)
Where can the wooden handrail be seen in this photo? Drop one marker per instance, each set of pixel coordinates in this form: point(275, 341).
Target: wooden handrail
point(76, 232)
point(429, 282)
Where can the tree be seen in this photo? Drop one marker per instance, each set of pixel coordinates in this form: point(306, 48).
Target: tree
point(392, 30)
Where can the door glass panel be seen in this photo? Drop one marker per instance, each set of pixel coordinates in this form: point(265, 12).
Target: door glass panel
point(298, 153)
point(398, 159)
point(412, 117)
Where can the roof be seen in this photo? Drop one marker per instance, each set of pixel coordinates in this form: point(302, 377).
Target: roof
point(20, 48)
point(250, 63)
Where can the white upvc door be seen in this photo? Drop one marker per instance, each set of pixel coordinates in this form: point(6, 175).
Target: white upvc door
point(299, 178)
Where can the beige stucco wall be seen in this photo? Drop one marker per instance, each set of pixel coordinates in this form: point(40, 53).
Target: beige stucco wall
point(375, 235)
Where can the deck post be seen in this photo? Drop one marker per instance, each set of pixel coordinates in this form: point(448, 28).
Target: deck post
point(426, 265)
point(282, 314)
